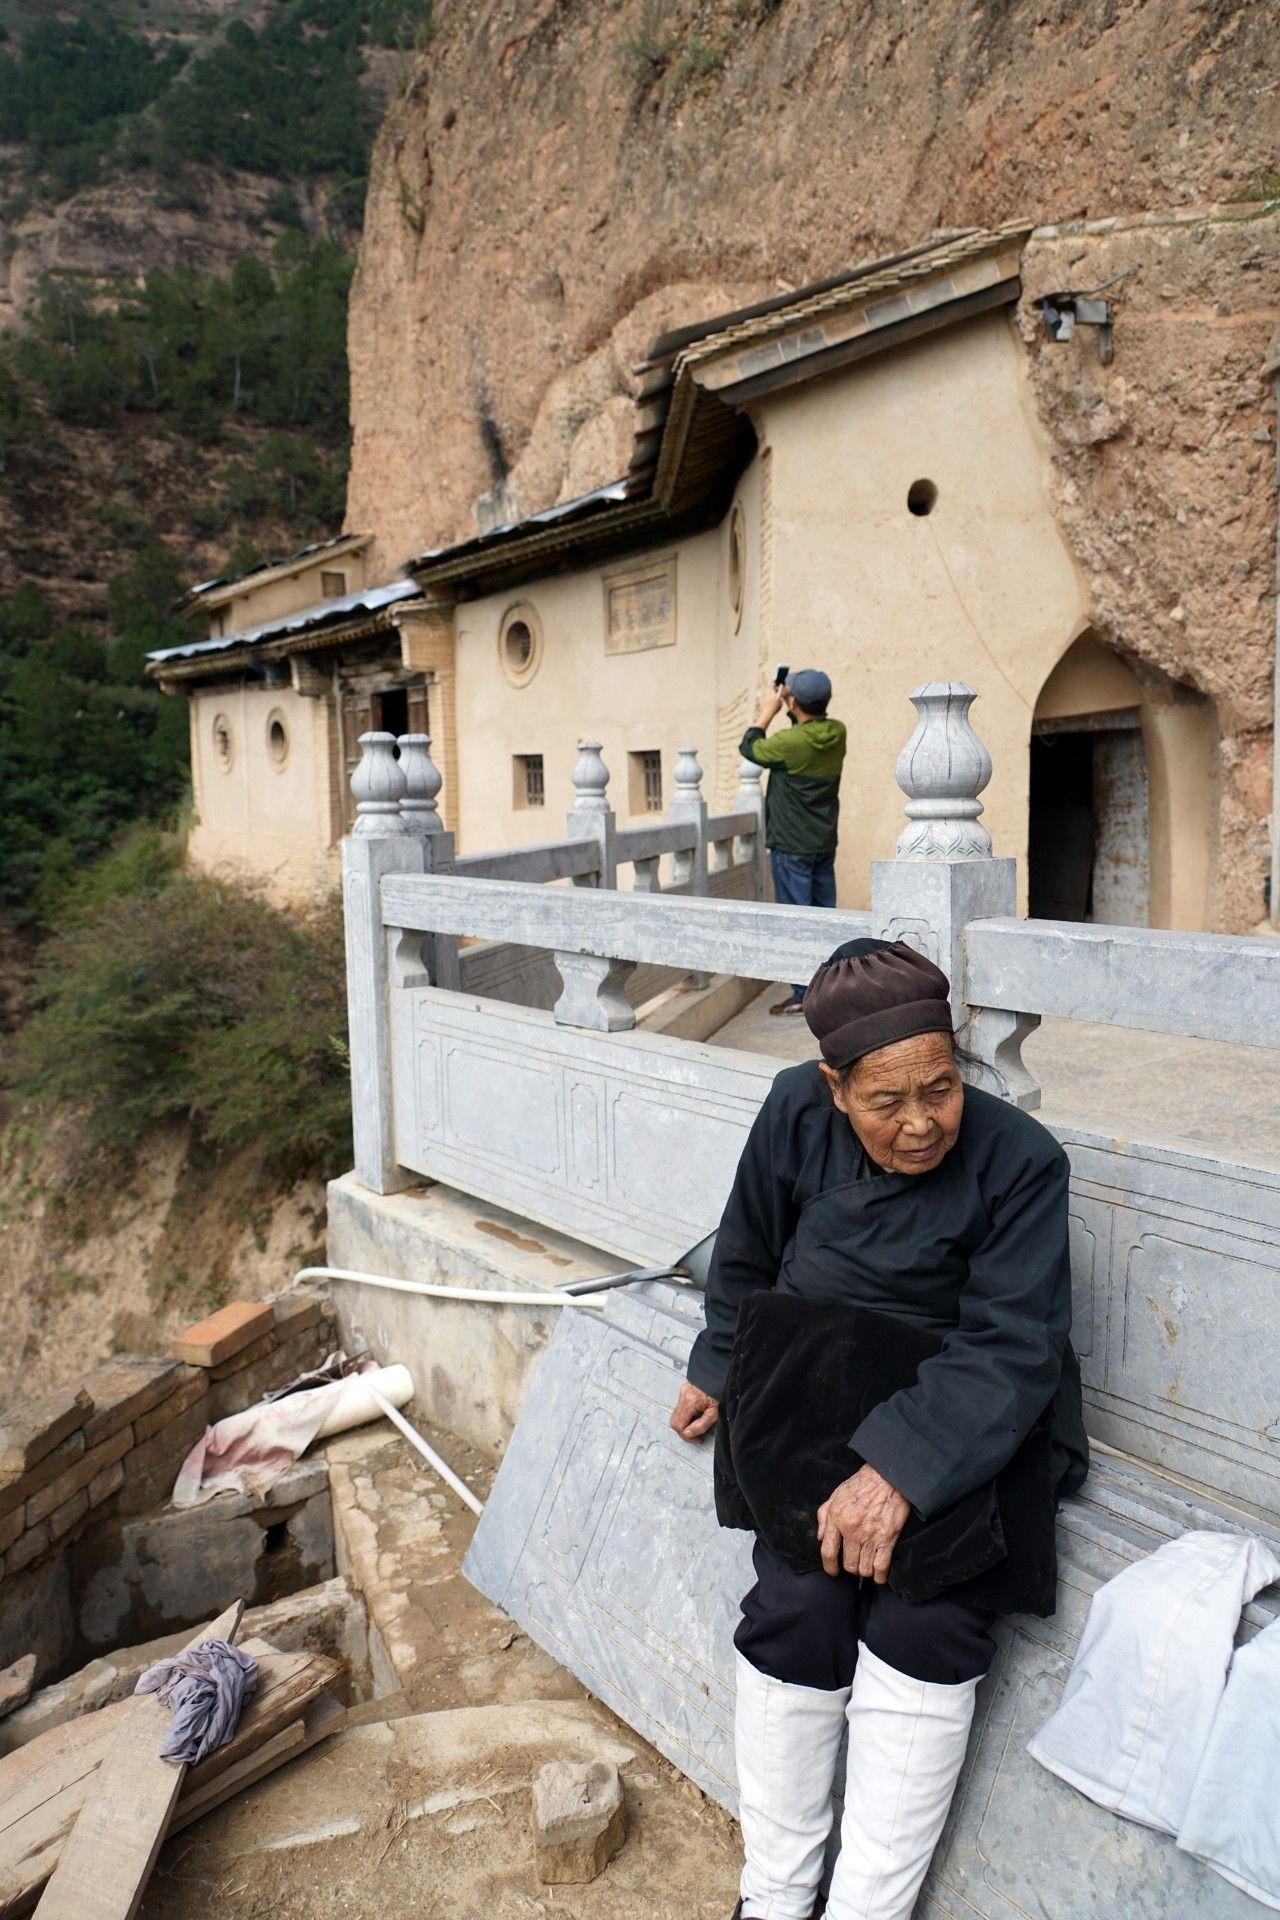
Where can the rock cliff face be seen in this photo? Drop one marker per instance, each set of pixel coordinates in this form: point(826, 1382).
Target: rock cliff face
point(561, 181)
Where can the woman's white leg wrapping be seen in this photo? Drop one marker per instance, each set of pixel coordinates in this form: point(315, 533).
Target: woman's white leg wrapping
point(787, 1740)
point(907, 1742)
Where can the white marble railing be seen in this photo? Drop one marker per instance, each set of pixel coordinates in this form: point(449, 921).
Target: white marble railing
point(409, 902)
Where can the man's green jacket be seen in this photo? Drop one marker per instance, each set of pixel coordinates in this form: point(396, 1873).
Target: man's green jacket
point(802, 805)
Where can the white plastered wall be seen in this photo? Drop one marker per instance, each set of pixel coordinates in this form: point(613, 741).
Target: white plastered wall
point(661, 698)
point(981, 589)
point(258, 816)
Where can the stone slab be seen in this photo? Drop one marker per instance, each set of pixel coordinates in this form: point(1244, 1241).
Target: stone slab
point(133, 1578)
point(129, 1385)
point(78, 1475)
point(211, 1341)
point(599, 1539)
point(31, 1426)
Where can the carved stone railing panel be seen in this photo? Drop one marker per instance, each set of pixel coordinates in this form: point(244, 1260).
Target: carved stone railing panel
point(1209, 986)
point(759, 941)
point(599, 1540)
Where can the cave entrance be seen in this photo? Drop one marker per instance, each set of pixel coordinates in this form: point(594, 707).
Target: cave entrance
point(1089, 839)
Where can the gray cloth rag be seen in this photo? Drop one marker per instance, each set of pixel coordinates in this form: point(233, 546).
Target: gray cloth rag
point(205, 1689)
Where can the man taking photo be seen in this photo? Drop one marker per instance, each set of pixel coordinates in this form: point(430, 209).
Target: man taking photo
point(802, 802)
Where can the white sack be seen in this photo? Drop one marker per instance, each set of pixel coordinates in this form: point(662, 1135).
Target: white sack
point(1140, 1699)
point(1232, 1820)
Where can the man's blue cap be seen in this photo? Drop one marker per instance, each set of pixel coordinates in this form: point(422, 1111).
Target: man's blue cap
point(809, 688)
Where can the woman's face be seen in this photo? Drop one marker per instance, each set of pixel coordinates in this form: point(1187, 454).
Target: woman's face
point(904, 1102)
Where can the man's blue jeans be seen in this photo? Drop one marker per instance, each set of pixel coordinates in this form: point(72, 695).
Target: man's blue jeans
point(803, 880)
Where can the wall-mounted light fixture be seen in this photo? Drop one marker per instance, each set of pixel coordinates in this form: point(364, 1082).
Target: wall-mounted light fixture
point(1062, 313)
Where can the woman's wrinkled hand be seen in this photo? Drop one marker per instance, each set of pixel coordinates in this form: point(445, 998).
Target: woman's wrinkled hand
point(858, 1526)
point(695, 1412)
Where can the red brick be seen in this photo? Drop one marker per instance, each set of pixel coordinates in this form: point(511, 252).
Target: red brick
point(223, 1334)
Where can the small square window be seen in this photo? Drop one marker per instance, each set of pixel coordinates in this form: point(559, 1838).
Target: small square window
point(332, 585)
point(529, 786)
point(644, 781)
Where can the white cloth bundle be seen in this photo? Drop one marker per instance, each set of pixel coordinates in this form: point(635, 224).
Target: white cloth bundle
point(1144, 1727)
point(1232, 1820)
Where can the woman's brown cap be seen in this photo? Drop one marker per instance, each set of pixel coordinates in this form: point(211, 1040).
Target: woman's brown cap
point(871, 993)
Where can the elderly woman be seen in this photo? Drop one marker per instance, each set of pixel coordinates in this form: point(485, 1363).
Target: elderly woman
point(893, 1255)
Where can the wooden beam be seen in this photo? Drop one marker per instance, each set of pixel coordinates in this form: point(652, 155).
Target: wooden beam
point(104, 1867)
point(44, 1784)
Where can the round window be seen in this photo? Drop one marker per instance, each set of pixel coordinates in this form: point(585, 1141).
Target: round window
point(520, 644)
point(222, 747)
point(737, 564)
point(277, 740)
point(922, 497)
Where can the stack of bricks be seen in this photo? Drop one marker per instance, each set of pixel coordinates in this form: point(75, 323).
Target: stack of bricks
point(120, 1434)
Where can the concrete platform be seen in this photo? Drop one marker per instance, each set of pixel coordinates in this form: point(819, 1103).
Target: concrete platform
point(471, 1366)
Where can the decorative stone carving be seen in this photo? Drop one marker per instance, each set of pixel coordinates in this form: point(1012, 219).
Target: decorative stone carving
point(689, 865)
point(379, 786)
point(992, 1043)
point(942, 770)
point(418, 807)
point(590, 779)
point(594, 993)
point(750, 799)
point(592, 817)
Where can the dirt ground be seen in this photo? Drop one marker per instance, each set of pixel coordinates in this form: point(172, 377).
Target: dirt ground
point(424, 1810)
point(86, 1271)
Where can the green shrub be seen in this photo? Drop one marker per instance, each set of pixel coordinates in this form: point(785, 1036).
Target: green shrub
point(161, 996)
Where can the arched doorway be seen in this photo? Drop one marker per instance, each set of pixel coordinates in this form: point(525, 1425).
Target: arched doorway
point(1089, 832)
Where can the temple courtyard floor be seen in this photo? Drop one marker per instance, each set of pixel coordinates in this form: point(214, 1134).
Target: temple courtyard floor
point(1114, 1080)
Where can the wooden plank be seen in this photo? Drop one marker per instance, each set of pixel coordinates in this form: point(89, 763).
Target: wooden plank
point(44, 1784)
point(224, 1333)
point(325, 1715)
point(106, 1862)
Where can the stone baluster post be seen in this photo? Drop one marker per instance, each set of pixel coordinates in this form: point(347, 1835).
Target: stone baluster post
point(592, 817)
point(379, 843)
point(750, 799)
point(689, 868)
point(430, 959)
point(944, 875)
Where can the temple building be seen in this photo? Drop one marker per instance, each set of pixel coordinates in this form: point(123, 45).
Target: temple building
point(850, 476)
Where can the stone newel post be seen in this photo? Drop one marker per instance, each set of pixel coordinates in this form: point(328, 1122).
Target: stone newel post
point(592, 817)
point(381, 842)
point(750, 799)
point(944, 875)
point(430, 959)
point(689, 868)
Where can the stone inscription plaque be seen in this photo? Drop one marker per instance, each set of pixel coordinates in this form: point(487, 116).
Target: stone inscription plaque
point(640, 607)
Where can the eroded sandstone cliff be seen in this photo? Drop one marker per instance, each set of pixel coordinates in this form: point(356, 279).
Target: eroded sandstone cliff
point(561, 180)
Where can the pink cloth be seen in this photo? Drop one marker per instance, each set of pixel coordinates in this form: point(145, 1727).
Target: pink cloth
point(247, 1452)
